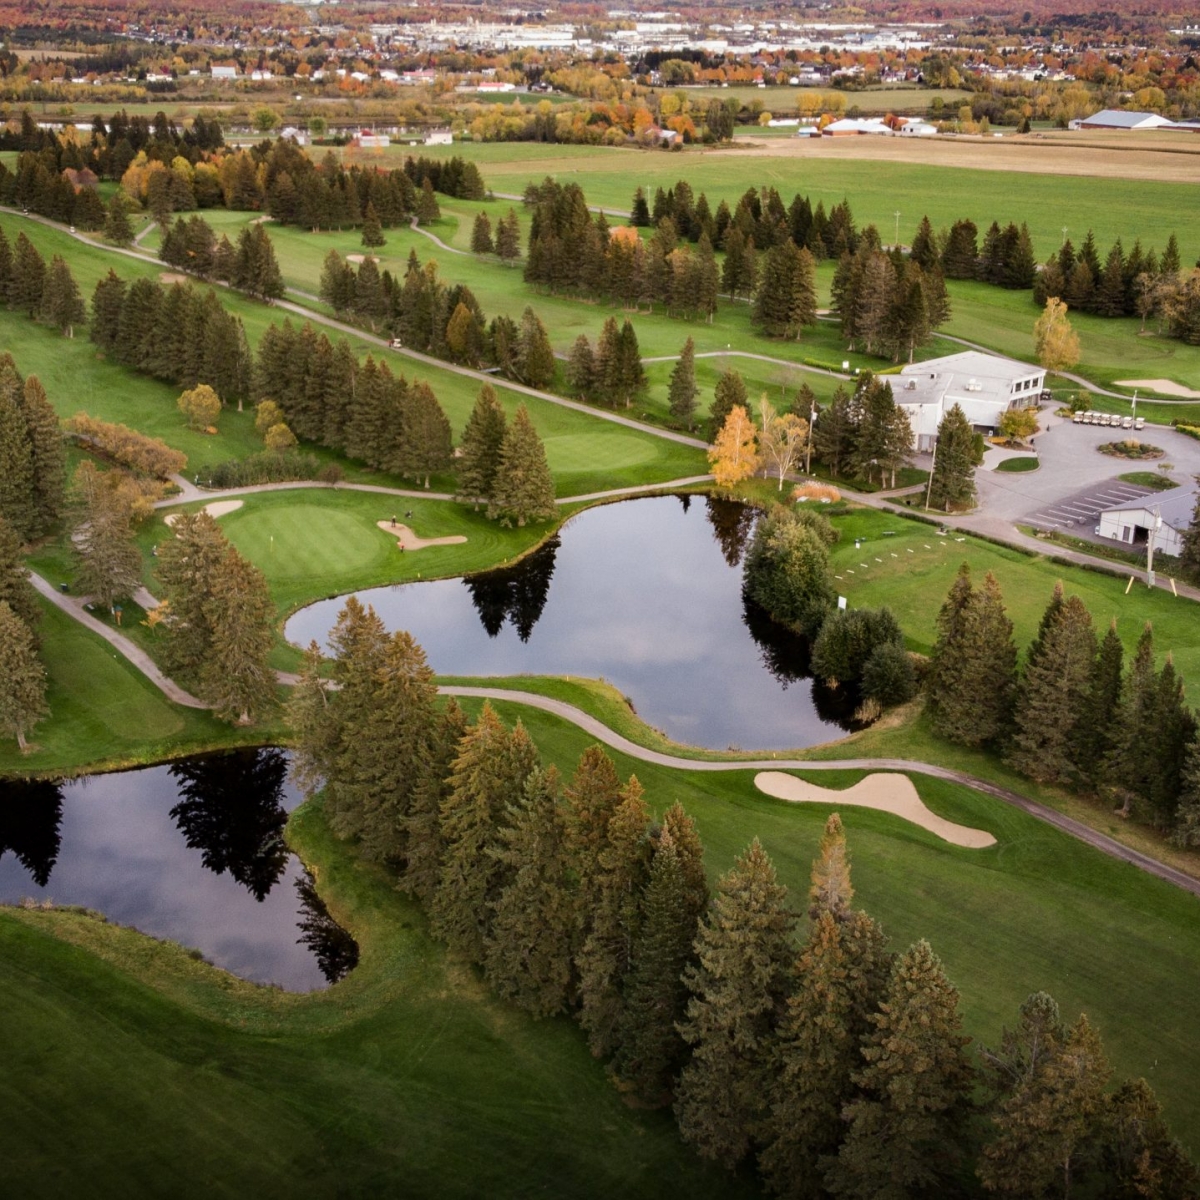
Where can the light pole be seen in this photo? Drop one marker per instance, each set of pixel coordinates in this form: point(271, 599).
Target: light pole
point(896, 240)
point(1150, 546)
point(932, 468)
point(1064, 233)
point(812, 422)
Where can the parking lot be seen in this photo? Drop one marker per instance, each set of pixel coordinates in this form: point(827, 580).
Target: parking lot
point(1081, 512)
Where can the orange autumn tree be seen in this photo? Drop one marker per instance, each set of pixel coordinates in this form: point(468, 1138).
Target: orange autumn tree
point(734, 455)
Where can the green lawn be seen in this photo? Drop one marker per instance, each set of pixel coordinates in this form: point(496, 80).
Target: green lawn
point(1019, 465)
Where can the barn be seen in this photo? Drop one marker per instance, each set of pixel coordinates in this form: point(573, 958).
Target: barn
point(1136, 521)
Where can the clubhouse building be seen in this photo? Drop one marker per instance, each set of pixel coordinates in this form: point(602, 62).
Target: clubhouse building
point(984, 386)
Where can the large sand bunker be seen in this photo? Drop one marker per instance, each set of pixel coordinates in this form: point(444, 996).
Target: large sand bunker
point(890, 793)
point(218, 508)
point(1164, 387)
point(409, 540)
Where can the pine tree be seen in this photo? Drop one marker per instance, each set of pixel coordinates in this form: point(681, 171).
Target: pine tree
point(28, 277)
point(490, 771)
point(1187, 812)
point(690, 851)
point(682, 391)
point(1053, 697)
point(592, 797)
point(427, 205)
point(236, 678)
point(185, 564)
point(107, 302)
point(840, 979)
point(831, 890)
point(17, 500)
point(906, 1128)
point(110, 563)
point(738, 988)
point(15, 589)
point(62, 305)
point(1092, 732)
point(523, 489)
point(117, 228)
point(924, 248)
point(1050, 1119)
point(972, 671)
point(48, 454)
point(953, 483)
point(650, 1052)
point(528, 954)
point(835, 434)
point(337, 286)
point(1140, 1157)
point(22, 678)
point(581, 368)
point(535, 355)
point(481, 235)
point(508, 238)
point(255, 269)
point(372, 230)
point(615, 881)
point(1189, 555)
point(483, 438)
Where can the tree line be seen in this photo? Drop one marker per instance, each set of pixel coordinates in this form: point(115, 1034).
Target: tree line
point(250, 266)
point(834, 1067)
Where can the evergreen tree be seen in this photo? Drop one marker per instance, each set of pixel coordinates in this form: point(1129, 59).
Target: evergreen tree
point(236, 679)
point(1140, 1157)
point(1053, 697)
point(15, 589)
point(1092, 731)
point(483, 438)
point(427, 205)
point(615, 880)
point(1189, 555)
point(830, 890)
point(924, 247)
point(110, 563)
point(17, 498)
point(787, 572)
point(22, 678)
point(961, 252)
point(489, 772)
point(47, 453)
point(185, 564)
point(1187, 812)
point(738, 990)
point(508, 238)
point(535, 355)
point(62, 305)
point(426, 435)
point(682, 392)
point(835, 434)
point(255, 269)
point(1050, 1120)
point(338, 282)
point(372, 230)
point(953, 483)
point(117, 228)
point(729, 393)
point(972, 671)
point(840, 979)
point(592, 797)
point(522, 489)
point(640, 211)
point(107, 301)
point(28, 277)
point(581, 368)
point(481, 235)
point(906, 1128)
point(528, 953)
point(650, 1052)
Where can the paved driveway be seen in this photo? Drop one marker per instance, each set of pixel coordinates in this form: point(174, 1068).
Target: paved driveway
point(1084, 508)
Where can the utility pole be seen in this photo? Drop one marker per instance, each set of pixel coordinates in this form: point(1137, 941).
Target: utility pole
point(896, 240)
point(812, 421)
point(1150, 545)
point(1064, 233)
point(932, 468)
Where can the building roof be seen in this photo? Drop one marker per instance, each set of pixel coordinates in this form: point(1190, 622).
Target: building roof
point(1176, 505)
point(1118, 118)
point(982, 385)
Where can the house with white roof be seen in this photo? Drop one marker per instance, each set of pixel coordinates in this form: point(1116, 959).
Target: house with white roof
point(1163, 516)
point(984, 386)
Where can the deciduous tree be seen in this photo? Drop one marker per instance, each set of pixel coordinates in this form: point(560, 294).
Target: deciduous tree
point(201, 406)
point(733, 456)
point(1055, 342)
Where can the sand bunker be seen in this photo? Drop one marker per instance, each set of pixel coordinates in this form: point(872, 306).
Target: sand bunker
point(169, 277)
point(218, 508)
point(360, 258)
point(888, 793)
point(1165, 387)
point(409, 540)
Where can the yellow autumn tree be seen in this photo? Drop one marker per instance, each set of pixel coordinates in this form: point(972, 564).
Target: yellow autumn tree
point(734, 455)
point(1057, 344)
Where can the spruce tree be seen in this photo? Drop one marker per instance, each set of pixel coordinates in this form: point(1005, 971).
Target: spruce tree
point(535, 355)
point(906, 1128)
point(481, 235)
point(107, 302)
point(1050, 1120)
point(22, 678)
point(110, 563)
point(1093, 730)
point(508, 238)
point(1187, 812)
point(48, 453)
point(522, 489)
point(479, 456)
point(592, 797)
point(372, 230)
point(581, 368)
point(1140, 1157)
point(62, 305)
point(117, 228)
point(618, 876)
point(236, 678)
point(972, 671)
point(1053, 697)
point(423, 824)
point(953, 483)
point(1189, 555)
point(490, 771)
point(29, 277)
point(830, 890)
point(17, 498)
point(690, 851)
point(427, 205)
point(650, 1051)
point(738, 989)
point(185, 563)
point(528, 953)
point(15, 588)
point(729, 393)
point(682, 391)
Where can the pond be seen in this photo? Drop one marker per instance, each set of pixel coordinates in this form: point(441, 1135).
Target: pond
point(192, 851)
point(646, 594)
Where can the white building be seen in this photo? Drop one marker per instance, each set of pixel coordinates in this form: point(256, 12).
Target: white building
point(224, 72)
point(984, 386)
point(1137, 521)
point(439, 137)
point(1118, 118)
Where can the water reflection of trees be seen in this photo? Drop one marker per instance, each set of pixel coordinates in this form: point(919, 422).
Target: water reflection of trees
point(335, 950)
point(31, 824)
point(732, 524)
point(516, 594)
point(786, 655)
point(230, 810)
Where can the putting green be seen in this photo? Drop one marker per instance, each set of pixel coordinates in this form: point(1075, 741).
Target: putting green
point(612, 452)
point(304, 540)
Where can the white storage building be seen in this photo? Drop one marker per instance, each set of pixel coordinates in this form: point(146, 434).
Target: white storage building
point(1135, 522)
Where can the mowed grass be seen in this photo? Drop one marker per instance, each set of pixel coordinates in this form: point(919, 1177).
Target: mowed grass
point(911, 570)
point(105, 711)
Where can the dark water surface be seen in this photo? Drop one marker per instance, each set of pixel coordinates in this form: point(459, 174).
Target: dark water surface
point(646, 594)
point(192, 851)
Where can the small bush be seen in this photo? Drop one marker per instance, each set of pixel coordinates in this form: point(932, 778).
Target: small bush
point(889, 676)
point(266, 468)
point(849, 638)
